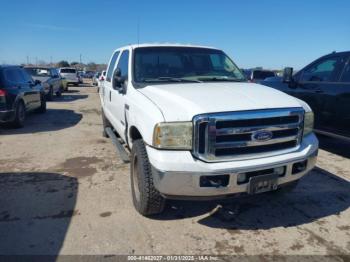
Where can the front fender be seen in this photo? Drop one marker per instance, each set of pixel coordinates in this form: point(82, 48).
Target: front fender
point(143, 114)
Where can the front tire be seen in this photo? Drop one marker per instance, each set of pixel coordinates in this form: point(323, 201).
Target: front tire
point(146, 198)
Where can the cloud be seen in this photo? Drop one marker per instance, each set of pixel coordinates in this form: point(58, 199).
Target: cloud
point(51, 27)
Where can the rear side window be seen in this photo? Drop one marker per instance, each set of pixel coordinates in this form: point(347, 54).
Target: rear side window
point(325, 70)
point(123, 64)
point(111, 66)
point(346, 74)
point(27, 78)
point(68, 70)
point(14, 75)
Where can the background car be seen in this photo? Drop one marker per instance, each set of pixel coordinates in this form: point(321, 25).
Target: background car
point(256, 75)
point(70, 75)
point(49, 78)
point(19, 94)
point(89, 74)
point(101, 78)
point(325, 86)
point(95, 78)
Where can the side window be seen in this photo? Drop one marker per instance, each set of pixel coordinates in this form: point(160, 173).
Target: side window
point(14, 76)
point(325, 70)
point(27, 78)
point(123, 64)
point(346, 74)
point(111, 66)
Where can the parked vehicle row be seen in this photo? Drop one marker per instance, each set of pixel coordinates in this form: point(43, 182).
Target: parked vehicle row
point(49, 78)
point(197, 129)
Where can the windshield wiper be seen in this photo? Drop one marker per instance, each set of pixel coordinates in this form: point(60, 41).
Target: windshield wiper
point(220, 79)
point(171, 79)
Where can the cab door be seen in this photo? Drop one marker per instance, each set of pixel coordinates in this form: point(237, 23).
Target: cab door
point(316, 87)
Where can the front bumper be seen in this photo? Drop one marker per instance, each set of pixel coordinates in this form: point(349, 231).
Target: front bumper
point(177, 173)
point(7, 116)
point(72, 81)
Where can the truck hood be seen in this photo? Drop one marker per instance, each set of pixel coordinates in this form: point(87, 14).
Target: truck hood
point(181, 102)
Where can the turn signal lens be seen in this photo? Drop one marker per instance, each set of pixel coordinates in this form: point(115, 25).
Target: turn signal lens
point(308, 123)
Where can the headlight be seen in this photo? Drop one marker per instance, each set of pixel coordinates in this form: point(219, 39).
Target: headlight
point(173, 135)
point(308, 123)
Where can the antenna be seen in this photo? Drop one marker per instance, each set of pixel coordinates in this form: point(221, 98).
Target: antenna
point(138, 30)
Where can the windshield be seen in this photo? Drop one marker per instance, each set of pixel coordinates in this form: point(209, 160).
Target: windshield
point(68, 70)
point(153, 64)
point(38, 71)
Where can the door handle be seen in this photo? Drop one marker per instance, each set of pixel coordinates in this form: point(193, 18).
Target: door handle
point(318, 91)
point(110, 95)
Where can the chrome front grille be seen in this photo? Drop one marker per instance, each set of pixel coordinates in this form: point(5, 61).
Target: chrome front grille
point(231, 135)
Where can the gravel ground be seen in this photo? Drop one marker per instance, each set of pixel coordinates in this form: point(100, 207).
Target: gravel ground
point(63, 190)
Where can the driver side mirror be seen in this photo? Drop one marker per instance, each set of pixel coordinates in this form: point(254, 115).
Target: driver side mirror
point(118, 81)
point(37, 82)
point(288, 75)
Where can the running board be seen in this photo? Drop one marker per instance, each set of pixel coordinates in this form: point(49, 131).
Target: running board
point(333, 135)
point(120, 148)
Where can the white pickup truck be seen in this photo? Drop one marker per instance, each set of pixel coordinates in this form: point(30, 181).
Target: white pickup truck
point(197, 129)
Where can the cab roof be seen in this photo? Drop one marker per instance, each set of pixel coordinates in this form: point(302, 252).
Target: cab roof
point(133, 46)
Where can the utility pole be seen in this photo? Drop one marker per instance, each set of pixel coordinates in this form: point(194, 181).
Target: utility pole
point(27, 60)
point(50, 60)
point(80, 59)
point(36, 61)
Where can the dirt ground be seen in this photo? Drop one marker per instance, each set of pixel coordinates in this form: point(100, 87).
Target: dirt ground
point(63, 190)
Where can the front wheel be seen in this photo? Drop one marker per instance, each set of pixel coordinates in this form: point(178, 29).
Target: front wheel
point(146, 198)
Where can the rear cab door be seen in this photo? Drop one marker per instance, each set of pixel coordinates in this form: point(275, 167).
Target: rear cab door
point(117, 100)
point(106, 88)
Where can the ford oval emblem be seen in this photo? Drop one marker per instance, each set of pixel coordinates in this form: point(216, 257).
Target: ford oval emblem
point(262, 135)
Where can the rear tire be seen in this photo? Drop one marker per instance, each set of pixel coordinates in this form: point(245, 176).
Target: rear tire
point(105, 124)
point(146, 198)
point(42, 108)
point(59, 93)
point(20, 115)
